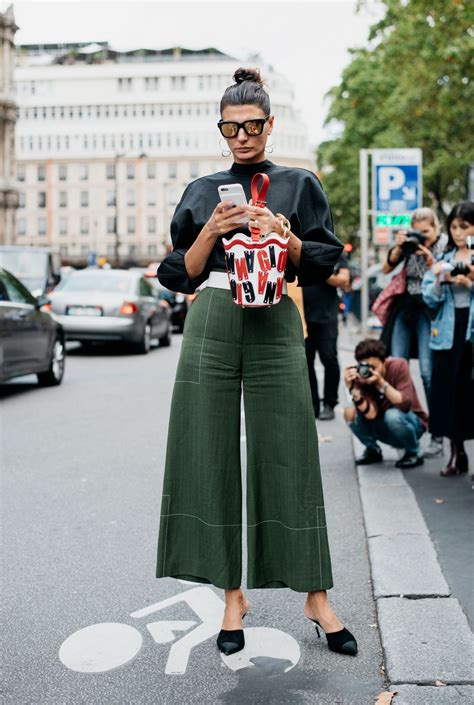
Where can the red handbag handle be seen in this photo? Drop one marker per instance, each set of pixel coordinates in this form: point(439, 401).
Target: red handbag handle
point(258, 193)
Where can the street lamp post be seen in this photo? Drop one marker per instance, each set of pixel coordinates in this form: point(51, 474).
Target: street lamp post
point(116, 228)
point(118, 156)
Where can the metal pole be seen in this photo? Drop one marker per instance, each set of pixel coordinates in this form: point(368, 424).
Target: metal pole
point(116, 230)
point(364, 237)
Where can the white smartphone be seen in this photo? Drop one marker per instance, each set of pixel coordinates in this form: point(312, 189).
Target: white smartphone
point(236, 194)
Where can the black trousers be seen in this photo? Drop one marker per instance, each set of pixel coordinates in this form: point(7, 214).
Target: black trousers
point(322, 339)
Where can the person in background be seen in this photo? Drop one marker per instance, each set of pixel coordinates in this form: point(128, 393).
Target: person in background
point(386, 405)
point(408, 327)
point(448, 288)
point(321, 311)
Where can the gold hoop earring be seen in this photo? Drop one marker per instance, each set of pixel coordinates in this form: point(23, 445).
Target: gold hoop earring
point(224, 152)
point(269, 148)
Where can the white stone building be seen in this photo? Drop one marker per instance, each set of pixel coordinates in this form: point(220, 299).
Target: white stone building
point(8, 194)
point(106, 142)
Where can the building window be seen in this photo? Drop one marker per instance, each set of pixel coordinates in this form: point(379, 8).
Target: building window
point(131, 197)
point(20, 172)
point(63, 226)
point(151, 199)
point(152, 250)
point(151, 170)
point(132, 250)
point(125, 84)
point(111, 201)
point(21, 226)
point(62, 172)
point(84, 199)
point(172, 170)
point(84, 225)
point(83, 172)
point(194, 170)
point(110, 171)
point(21, 199)
point(42, 224)
point(111, 225)
point(63, 250)
point(131, 225)
point(41, 199)
point(130, 170)
point(152, 224)
point(62, 199)
point(178, 83)
point(110, 251)
point(84, 250)
point(41, 172)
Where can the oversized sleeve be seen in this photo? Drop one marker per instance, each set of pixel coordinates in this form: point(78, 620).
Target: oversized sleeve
point(185, 227)
point(321, 249)
point(433, 293)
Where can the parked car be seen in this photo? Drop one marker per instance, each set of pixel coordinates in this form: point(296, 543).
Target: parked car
point(96, 305)
point(32, 341)
point(38, 268)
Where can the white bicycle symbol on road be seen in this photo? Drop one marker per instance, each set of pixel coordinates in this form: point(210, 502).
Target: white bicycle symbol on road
point(108, 645)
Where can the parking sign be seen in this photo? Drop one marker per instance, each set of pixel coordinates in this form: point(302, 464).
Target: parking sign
point(396, 180)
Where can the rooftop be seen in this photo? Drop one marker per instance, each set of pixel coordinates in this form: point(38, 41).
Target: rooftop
point(103, 52)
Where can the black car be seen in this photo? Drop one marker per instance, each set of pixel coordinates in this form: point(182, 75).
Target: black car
point(32, 341)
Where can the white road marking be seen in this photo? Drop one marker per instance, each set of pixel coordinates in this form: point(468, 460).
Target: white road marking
point(266, 642)
point(162, 632)
point(100, 647)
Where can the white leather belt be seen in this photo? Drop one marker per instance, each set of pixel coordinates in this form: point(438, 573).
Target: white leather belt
point(220, 280)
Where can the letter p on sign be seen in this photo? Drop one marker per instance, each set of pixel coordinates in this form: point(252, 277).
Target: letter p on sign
point(391, 178)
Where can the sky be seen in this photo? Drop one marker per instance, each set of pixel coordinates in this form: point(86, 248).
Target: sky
point(306, 41)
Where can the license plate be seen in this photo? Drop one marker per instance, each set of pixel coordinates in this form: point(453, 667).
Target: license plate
point(84, 311)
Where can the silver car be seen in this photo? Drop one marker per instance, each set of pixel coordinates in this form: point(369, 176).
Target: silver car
point(111, 305)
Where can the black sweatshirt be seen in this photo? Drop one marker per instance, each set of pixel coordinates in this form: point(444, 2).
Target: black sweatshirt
point(294, 192)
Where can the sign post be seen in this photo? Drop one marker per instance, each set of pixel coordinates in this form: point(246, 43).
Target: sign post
point(396, 193)
point(364, 237)
point(396, 190)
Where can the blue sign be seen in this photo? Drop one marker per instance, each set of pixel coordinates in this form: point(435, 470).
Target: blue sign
point(397, 187)
point(92, 258)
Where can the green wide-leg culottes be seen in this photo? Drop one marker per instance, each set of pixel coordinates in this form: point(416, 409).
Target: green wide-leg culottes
point(227, 349)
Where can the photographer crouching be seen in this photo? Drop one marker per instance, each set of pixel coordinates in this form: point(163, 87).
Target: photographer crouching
point(386, 405)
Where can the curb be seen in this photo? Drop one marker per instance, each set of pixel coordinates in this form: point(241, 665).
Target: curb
point(425, 636)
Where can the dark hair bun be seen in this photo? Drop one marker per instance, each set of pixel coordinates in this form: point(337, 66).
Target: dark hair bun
point(242, 75)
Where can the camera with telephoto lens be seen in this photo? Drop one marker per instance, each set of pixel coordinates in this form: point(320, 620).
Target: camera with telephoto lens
point(460, 268)
point(364, 370)
point(415, 238)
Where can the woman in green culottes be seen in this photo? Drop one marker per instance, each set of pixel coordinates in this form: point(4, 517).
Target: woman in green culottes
point(229, 351)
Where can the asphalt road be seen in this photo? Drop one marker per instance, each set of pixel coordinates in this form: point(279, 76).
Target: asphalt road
point(82, 472)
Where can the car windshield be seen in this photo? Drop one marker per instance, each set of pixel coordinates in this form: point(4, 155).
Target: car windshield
point(25, 266)
point(97, 282)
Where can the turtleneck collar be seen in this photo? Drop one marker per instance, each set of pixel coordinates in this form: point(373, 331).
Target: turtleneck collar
point(250, 169)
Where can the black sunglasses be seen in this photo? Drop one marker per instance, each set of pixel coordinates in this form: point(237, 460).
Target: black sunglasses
point(252, 128)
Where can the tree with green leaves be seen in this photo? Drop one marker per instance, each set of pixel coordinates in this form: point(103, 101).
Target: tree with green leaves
point(412, 87)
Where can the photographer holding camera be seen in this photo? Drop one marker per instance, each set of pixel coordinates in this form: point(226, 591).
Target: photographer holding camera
point(407, 331)
point(449, 289)
point(386, 405)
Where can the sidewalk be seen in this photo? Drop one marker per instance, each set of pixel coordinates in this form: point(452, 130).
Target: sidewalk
point(421, 600)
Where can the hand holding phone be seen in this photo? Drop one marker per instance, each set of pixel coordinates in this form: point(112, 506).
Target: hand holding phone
point(235, 194)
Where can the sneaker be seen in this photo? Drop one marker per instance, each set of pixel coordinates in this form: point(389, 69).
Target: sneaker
point(369, 456)
point(434, 448)
point(409, 460)
point(327, 414)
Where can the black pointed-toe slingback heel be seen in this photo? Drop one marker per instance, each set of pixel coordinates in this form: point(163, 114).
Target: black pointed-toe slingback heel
point(342, 642)
point(230, 641)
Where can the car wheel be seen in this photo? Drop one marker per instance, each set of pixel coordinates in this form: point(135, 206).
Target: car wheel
point(165, 341)
point(143, 347)
point(55, 372)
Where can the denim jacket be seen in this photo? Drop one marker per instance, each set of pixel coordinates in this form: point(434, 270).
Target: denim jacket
point(440, 297)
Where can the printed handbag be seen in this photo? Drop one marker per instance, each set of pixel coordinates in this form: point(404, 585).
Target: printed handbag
point(256, 264)
point(383, 302)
